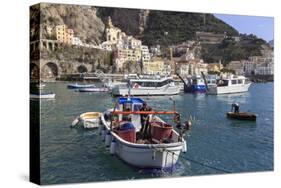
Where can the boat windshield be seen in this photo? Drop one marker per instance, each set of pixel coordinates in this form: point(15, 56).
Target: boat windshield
point(222, 83)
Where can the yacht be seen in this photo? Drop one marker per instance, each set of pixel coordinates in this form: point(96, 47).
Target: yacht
point(149, 86)
point(231, 84)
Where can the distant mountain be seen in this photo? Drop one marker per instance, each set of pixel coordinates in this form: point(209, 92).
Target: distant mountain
point(271, 43)
point(164, 27)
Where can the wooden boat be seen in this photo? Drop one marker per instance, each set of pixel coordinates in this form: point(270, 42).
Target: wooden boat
point(43, 96)
point(161, 150)
point(242, 116)
point(87, 120)
point(79, 86)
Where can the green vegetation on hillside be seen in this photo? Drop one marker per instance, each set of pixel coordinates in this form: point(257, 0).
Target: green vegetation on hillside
point(166, 27)
point(231, 50)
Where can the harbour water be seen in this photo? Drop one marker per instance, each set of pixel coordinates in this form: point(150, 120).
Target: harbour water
point(215, 144)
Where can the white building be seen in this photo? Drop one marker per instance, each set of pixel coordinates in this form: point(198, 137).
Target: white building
point(107, 45)
point(145, 54)
point(76, 41)
point(265, 69)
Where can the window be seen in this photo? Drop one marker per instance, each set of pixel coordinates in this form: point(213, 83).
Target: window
point(240, 81)
point(233, 82)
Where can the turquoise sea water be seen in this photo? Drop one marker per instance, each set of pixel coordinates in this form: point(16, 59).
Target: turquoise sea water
point(78, 155)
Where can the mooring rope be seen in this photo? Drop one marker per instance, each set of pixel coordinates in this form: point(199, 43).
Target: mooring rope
point(200, 163)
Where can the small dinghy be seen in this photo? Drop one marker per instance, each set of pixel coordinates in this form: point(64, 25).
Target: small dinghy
point(79, 86)
point(43, 96)
point(94, 89)
point(242, 116)
point(87, 120)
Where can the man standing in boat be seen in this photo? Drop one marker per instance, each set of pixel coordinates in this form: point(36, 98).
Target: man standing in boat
point(144, 120)
point(235, 106)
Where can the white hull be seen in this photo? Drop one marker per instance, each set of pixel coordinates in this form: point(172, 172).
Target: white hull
point(88, 120)
point(146, 155)
point(42, 96)
point(214, 90)
point(146, 91)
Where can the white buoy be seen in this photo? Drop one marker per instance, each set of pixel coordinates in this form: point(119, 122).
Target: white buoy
point(107, 139)
point(184, 148)
point(100, 128)
point(112, 147)
point(103, 133)
point(75, 122)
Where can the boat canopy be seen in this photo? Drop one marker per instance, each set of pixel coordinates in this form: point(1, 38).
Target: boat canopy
point(123, 100)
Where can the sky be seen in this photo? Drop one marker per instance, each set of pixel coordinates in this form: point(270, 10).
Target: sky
point(262, 27)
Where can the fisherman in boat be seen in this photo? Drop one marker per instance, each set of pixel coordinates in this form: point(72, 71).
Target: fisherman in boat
point(235, 107)
point(144, 120)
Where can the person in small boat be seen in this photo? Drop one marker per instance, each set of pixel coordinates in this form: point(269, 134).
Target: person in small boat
point(144, 120)
point(235, 107)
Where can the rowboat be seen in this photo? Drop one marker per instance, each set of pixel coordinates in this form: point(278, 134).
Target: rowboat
point(79, 86)
point(94, 89)
point(120, 129)
point(87, 120)
point(242, 116)
point(43, 96)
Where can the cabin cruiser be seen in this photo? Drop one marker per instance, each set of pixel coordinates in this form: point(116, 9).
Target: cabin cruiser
point(231, 84)
point(147, 86)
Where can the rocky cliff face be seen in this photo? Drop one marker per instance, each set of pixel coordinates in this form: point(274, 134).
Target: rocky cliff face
point(82, 19)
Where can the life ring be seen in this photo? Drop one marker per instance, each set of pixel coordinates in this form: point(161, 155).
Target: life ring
point(136, 85)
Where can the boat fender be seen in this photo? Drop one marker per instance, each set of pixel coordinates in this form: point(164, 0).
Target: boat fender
point(103, 133)
point(107, 139)
point(100, 128)
point(184, 147)
point(75, 122)
point(113, 147)
point(154, 155)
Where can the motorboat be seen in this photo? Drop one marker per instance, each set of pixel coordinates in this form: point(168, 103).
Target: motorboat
point(231, 84)
point(242, 116)
point(94, 89)
point(195, 84)
point(87, 120)
point(149, 86)
point(43, 96)
point(79, 86)
point(121, 127)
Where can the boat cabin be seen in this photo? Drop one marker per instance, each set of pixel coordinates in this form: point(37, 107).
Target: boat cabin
point(126, 122)
point(238, 80)
point(151, 83)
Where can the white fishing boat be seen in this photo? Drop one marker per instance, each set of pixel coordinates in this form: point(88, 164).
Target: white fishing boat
point(43, 96)
point(120, 129)
point(87, 120)
point(147, 87)
point(231, 84)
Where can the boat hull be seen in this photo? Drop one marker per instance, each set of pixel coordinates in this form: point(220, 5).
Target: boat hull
point(242, 116)
point(146, 91)
point(43, 96)
point(146, 155)
point(215, 90)
point(77, 86)
point(94, 89)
